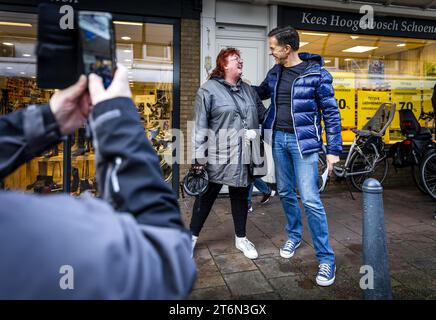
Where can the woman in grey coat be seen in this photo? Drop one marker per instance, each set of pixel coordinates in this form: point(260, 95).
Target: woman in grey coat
point(226, 140)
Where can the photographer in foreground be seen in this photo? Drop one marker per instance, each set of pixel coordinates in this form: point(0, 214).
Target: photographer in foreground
point(112, 254)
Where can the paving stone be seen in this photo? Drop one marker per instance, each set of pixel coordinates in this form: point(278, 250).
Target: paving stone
point(265, 247)
point(214, 293)
point(214, 280)
point(220, 247)
point(417, 281)
point(276, 267)
point(250, 282)
point(234, 262)
point(298, 287)
point(261, 296)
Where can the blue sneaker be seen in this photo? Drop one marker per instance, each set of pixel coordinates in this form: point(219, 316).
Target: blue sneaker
point(326, 274)
point(288, 249)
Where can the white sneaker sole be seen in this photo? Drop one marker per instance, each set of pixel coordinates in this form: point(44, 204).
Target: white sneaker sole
point(289, 255)
point(325, 283)
point(254, 256)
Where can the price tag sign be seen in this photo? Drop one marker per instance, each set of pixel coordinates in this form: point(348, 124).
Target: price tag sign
point(367, 104)
point(344, 86)
point(406, 99)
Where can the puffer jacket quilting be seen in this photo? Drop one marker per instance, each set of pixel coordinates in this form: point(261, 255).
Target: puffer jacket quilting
point(312, 99)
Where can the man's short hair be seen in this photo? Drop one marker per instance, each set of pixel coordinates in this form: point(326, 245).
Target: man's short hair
point(286, 36)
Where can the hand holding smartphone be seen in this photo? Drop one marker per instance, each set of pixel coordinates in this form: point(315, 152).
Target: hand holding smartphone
point(97, 44)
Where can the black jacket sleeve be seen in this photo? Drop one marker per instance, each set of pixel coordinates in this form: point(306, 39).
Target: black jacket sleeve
point(127, 167)
point(25, 134)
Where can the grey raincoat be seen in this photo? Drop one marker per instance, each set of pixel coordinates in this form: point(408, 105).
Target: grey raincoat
point(218, 135)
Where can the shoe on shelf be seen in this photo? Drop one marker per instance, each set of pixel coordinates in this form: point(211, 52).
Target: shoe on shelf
point(193, 243)
point(247, 247)
point(326, 274)
point(288, 249)
point(266, 197)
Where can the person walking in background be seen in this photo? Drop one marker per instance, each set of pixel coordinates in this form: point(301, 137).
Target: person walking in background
point(263, 187)
point(226, 104)
point(301, 93)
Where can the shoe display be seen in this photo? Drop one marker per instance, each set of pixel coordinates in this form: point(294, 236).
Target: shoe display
point(247, 247)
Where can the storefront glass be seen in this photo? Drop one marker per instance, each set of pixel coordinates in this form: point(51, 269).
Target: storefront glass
point(369, 70)
point(146, 49)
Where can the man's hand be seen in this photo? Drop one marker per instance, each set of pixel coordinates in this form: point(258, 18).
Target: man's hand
point(71, 106)
point(331, 160)
point(118, 88)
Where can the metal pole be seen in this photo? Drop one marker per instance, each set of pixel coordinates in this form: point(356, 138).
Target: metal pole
point(67, 165)
point(375, 251)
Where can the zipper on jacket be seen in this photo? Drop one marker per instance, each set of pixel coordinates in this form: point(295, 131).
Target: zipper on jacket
point(316, 128)
point(114, 175)
point(292, 108)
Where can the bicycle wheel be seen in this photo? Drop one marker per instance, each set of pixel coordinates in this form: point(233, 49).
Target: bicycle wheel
point(416, 174)
point(366, 162)
point(428, 173)
point(322, 165)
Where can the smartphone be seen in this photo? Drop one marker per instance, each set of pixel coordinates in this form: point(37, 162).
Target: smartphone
point(97, 41)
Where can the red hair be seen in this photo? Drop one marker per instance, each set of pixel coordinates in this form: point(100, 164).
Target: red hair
point(221, 61)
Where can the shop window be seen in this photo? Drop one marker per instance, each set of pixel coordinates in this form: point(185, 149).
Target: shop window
point(18, 87)
point(369, 70)
point(145, 49)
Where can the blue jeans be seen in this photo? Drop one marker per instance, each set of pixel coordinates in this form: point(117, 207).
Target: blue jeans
point(261, 186)
point(292, 171)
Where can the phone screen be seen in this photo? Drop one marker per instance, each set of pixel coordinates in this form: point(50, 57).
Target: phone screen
point(98, 47)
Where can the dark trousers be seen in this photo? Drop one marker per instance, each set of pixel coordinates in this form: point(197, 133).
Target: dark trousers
point(203, 205)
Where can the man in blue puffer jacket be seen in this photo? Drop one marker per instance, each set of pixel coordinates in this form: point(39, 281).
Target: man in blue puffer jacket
point(301, 94)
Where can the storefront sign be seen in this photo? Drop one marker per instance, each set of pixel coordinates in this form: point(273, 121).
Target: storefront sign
point(367, 104)
point(343, 84)
point(348, 22)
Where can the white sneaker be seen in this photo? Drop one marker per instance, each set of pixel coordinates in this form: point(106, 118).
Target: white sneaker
point(193, 242)
point(246, 247)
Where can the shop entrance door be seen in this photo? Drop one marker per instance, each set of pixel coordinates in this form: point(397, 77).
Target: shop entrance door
point(252, 43)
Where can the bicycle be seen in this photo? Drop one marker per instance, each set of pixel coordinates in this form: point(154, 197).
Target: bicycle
point(428, 167)
point(367, 157)
point(410, 151)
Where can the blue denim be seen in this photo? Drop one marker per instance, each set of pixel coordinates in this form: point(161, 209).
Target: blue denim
point(261, 186)
point(294, 172)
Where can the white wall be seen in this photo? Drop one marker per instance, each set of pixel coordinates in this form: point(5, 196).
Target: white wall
point(233, 13)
